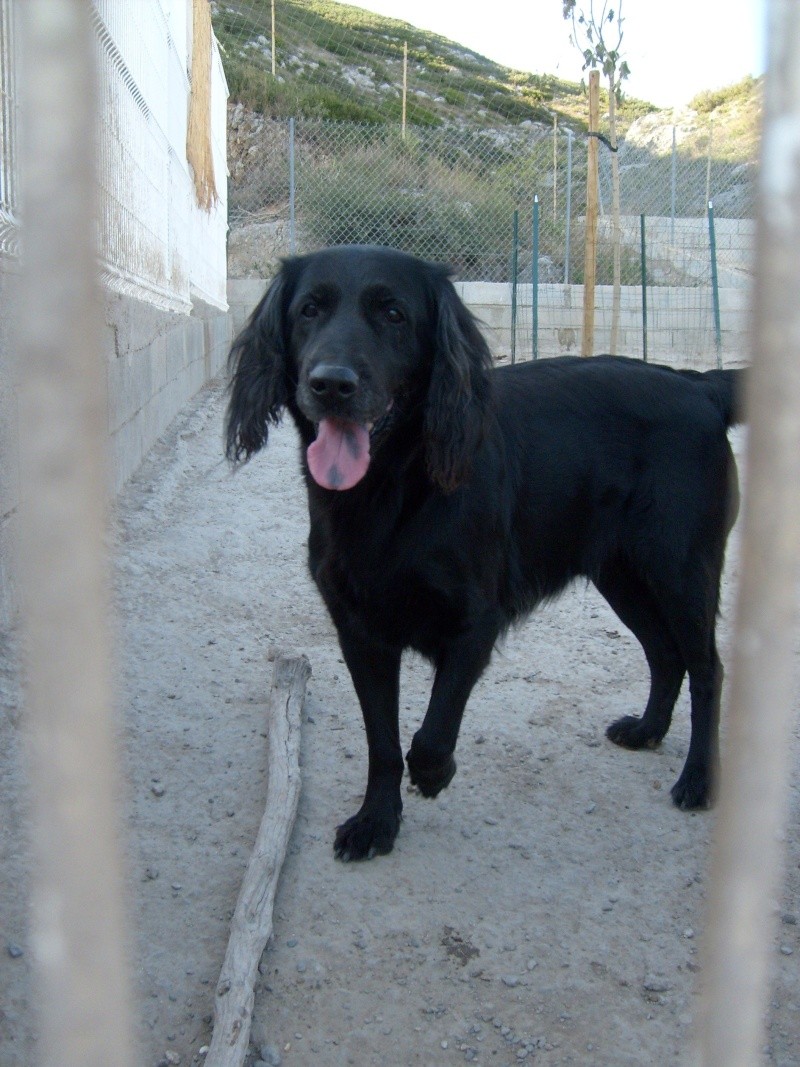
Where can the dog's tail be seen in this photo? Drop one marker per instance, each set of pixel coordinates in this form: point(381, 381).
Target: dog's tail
point(727, 387)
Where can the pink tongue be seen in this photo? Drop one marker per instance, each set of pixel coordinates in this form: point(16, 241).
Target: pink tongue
point(339, 457)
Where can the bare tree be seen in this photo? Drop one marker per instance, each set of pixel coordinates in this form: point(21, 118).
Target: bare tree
point(597, 32)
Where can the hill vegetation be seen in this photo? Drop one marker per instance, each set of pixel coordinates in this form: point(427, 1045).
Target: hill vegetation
point(733, 120)
point(339, 62)
point(479, 141)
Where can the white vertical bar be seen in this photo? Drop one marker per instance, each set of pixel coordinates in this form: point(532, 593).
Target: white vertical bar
point(82, 987)
point(747, 857)
point(8, 113)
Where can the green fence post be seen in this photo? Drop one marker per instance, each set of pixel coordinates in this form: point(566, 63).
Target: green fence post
point(644, 289)
point(714, 282)
point(535, 280)
point(514, 272)
point(292, 220)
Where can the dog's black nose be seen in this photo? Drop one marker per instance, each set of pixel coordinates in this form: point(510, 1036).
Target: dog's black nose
point(329, 380)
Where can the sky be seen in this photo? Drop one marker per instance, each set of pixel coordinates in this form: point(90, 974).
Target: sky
point(675, 48)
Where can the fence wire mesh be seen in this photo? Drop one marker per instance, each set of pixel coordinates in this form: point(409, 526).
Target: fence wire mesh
point(453, 192)
point(448, 151)
point(451, 195)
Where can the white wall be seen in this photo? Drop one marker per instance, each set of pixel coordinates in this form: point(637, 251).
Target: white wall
point(156, 244)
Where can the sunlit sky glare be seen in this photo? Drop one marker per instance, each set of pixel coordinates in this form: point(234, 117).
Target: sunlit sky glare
point(674, 49)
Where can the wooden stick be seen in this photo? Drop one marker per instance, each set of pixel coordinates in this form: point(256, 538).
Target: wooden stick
point(252, 921)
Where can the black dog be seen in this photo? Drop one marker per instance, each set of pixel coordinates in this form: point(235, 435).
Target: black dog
point(448, 499)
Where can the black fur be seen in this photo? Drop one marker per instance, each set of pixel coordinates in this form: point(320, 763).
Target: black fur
point(488, 491)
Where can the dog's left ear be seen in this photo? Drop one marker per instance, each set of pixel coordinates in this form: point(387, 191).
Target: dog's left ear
point(459, 395)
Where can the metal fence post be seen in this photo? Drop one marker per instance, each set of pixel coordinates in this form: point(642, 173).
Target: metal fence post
point(673, 188)
point(292, 224)
point(82, 990)
point(644, 288)
point(555, 168)
point(712, 241)
point(514, 276)
point(569, 207)
point(535, 281)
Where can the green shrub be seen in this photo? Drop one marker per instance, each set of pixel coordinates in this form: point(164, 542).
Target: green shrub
point(710, 99)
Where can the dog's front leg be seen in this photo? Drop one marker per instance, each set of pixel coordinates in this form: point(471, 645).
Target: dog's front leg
point(375, 670)
point(431, 764)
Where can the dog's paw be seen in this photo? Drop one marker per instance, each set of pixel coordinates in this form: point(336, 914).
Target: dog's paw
point(693, 790)
point(365, 835)
point(630, 732)
point(429, 778)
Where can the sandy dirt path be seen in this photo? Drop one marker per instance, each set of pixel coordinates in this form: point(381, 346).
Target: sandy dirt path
point(547, 908)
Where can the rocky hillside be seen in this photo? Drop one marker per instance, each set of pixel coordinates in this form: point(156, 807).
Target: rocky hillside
point(335, 61)
point(340, 63)
point(723, 123)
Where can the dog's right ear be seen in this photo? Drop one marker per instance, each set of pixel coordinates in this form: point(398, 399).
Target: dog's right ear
point(259, 370)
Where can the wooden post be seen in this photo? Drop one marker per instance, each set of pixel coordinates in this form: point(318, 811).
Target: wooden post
point(273, 38)
point(81, 985)
point(405, 87)
point(616, 233)
point(747, 856)
point(590, 254)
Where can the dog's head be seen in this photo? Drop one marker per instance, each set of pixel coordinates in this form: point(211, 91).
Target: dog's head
point(354, 340)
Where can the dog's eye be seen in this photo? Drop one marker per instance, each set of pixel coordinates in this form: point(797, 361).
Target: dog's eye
point(309, 310)
point(394, 314)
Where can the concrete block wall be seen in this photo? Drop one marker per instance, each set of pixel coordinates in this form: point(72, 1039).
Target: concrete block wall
point(155, 362)
point(149, 382)
point(682, 246)
point(680, 322)
point(681, 327)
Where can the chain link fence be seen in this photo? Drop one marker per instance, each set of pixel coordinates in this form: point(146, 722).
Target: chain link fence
point(450, 193)
point(382, 133)
point(466, 196)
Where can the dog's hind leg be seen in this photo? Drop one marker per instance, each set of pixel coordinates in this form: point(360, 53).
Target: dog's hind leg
point(686, 599)
point(689, 603)
point(460, 664)
point(697, 783)
point(635, 606)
